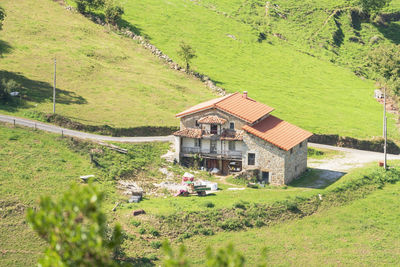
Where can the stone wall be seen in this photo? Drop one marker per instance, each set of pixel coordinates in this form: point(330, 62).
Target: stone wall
point(269, 158)
point(295, 162)
point(153, 49)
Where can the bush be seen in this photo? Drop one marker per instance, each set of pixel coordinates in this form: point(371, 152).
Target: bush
point(154, 232)
point(113, 12)
point(209, 204)
point(240, 205)
point(259, 223)
point(142, 230)
point(135, 223)
point(231, 224)
point(155, 244)
point(6, 87)
point(207, 232)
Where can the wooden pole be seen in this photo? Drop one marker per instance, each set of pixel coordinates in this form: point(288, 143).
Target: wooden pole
point(385, 130)
point(54, 87)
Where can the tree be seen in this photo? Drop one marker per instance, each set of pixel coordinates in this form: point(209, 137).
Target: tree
point(76, 229)
point(187, 53)
point(82, 5)
point(372, 6)
point(385, 61)
point(2, 17)
point(113, 12)
point(6, 87)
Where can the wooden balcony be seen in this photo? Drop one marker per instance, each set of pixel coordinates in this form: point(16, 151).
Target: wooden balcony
point(223, 154)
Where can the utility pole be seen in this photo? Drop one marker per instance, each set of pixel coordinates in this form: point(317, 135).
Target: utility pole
point(384, 129)
point(54, 88)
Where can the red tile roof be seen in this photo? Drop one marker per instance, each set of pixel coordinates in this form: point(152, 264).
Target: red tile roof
point(278, 132)
point(212, 120)
point(236, 104)
point(189, 132)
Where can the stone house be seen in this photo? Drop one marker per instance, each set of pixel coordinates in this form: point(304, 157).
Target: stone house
point(235, 133)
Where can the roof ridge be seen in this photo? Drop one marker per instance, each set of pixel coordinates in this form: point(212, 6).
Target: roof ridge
point(225, 98)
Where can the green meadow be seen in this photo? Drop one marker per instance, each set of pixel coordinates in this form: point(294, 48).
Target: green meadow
point(102, 78)
point(309, 91)
point(364, 232)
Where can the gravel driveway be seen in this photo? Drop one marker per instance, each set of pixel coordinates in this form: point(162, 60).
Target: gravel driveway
point(333, 168)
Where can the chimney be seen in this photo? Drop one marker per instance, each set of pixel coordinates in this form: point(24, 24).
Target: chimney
point(245, 94)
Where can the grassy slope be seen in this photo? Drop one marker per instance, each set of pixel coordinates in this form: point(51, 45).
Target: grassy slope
point(35, 163)
point(307, 91)
point(102, 77)
point(364, 232)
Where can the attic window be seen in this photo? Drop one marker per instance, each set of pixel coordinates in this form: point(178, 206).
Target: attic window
point(291, 151)
point(232, 125)
point(301, 144)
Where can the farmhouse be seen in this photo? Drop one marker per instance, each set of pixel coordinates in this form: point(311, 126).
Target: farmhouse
point(236, 134)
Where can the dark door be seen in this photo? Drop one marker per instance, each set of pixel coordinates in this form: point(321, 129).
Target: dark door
point(265, 177)
point(213, 146)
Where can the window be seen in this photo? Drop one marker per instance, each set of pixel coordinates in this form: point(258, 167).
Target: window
point(197, 123)
point(295, 168)
point(232, 125)
point(197, 142)
point(291, 151)
point(232, 146)
point(251, 159)
point(301, 144)
point(214, 129)
point(265, 177)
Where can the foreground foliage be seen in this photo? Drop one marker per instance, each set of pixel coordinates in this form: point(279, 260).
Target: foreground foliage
point(75, 228)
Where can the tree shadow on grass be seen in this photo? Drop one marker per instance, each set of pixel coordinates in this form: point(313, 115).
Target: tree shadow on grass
point(136, 262)
point(37, 91)
point(317, 178)
point(5, 47)
point(391, 31)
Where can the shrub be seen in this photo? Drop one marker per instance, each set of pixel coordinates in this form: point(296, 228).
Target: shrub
point(240, 205)
point(142, 230)
point(6, 87)
point(113, 12)
point(209, 204)
point(154, 232)
point(259, 223)
point(207, 231)
point(135, 223)
point(231, 224)
point(155, 244)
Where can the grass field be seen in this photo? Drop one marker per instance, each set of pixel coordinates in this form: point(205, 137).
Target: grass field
point(364, 232)
point(103, 78)
point(308, 91)
point(34, 163)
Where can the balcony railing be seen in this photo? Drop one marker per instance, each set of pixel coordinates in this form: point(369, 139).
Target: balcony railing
point(216, 153)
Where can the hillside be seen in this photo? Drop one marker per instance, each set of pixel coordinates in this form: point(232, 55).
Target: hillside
point(312, 91)
point(364, 232)
point(102, 78)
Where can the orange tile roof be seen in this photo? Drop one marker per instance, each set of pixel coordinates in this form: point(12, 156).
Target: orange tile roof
point(189, 132)
point(235, 104)
point(244, 108)
point(278, 132)
point(201, 106)
point(212, 120)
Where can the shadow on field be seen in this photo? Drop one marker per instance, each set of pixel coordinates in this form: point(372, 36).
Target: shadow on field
point(136, 262)
point(317, 178)
point(391, 32)
point(5, 47)
point(37, 91)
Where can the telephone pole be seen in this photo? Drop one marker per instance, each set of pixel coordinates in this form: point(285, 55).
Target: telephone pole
point(54, 88)
point(384, 129)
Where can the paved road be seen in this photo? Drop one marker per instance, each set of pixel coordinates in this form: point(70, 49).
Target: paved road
point(82, 135)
